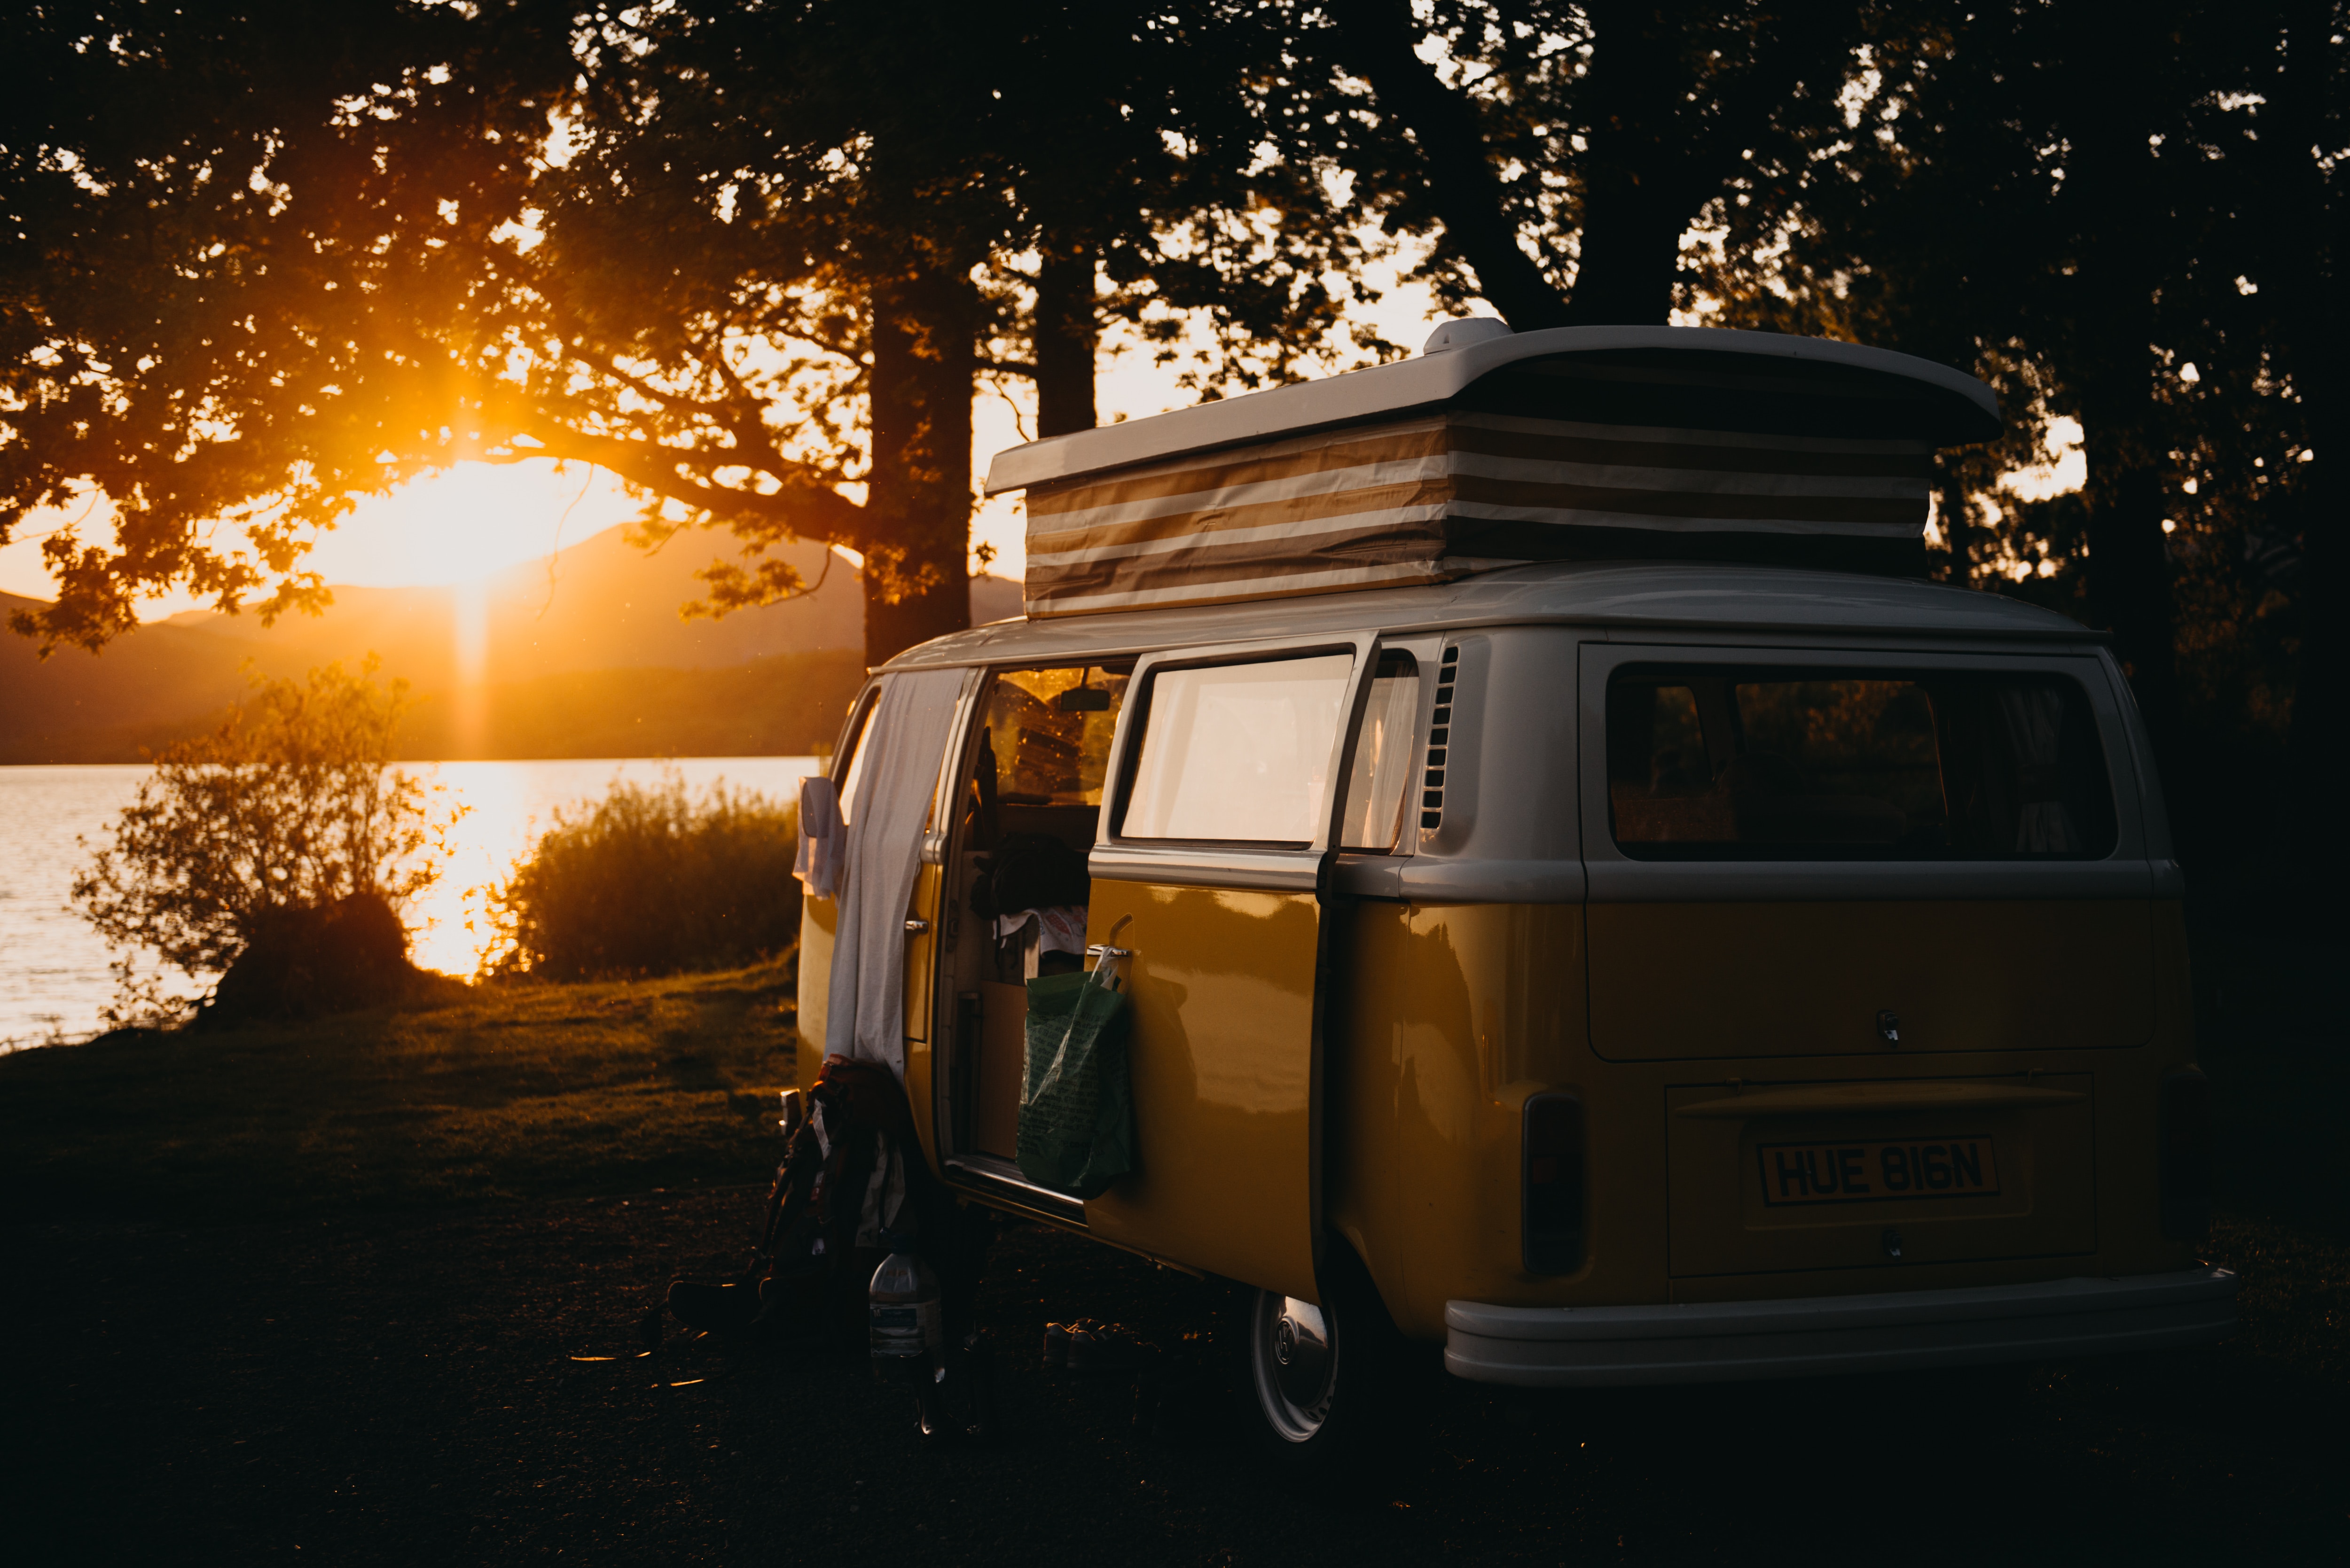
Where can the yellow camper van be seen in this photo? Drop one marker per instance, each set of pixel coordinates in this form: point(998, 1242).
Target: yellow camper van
point(1585, 900)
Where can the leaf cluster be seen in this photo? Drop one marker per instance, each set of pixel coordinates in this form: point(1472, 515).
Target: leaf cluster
point(290, 803)
point(258, 258)
point(223, 229)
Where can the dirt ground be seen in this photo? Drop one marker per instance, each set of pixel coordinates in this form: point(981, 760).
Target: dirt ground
point(399, 1390)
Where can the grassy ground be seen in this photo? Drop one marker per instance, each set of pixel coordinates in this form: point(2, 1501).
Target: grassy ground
point(521, 1091)
point(298, 1335)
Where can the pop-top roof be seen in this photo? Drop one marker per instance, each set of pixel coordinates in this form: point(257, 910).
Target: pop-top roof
point(1574, 442)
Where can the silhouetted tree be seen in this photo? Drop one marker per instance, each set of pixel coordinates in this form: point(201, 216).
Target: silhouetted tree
point(748, 257)
point(1555, 152)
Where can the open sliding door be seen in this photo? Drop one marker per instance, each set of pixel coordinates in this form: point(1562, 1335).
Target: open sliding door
point(1223, 809)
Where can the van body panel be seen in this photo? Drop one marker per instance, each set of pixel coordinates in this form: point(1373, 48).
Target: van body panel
point(1805, 1189)
point(1221, 986)
point(819, 918)
point(921, 966)
point(1693, 981)
point(1447, 1016)
point(1638, 599)
point(922, 950)
point(1518, 951)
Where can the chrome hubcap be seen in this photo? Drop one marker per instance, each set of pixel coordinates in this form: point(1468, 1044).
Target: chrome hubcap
point(1293, 1355)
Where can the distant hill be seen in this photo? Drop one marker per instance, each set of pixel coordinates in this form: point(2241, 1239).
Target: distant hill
point(784, 705)
point(579, 654)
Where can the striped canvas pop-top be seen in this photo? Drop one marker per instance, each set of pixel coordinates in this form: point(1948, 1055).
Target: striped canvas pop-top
point(1541, 457)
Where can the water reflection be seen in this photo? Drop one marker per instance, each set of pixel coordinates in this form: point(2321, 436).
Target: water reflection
point(510, 803)
point(53, 968)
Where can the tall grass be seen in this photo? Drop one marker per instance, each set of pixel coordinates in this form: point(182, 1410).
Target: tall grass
point(649, 881)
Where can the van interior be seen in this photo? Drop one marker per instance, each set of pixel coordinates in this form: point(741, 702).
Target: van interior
point(1030, 799)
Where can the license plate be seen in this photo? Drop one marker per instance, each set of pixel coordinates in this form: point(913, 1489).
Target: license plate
point(1872, 1170)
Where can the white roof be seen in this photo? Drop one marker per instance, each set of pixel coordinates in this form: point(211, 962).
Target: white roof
point(1647, 597)
point(1958, 408)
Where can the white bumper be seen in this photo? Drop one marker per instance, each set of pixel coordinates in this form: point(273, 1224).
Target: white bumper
point(1714, 1342)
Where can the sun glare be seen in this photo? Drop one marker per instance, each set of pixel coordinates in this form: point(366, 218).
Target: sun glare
point(469, 522)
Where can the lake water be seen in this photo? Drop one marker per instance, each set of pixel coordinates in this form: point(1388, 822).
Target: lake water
point(53, 968)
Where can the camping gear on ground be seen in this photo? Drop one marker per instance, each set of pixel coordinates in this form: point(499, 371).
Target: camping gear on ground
point(953, 1382)
point(902, 1317)
point(1076, 1108)
point(853, 1174)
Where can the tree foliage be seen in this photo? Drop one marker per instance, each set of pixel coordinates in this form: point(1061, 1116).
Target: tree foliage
point(750, 258)
point(290, 804)
point(757, 256)
point(224, 230)
point(2122, 227)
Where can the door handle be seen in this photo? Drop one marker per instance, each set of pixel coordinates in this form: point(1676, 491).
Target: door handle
point(915, 928)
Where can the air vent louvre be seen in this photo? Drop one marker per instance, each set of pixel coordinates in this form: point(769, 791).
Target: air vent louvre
point(1440, 736)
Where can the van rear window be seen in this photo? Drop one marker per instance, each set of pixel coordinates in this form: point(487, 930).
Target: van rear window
point(1779, 764)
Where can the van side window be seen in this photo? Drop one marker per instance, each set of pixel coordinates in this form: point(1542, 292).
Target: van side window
point(1042, 755)
point(1048, 732)
point(1786, 763)
point(1239, 752)
point(1383, 758)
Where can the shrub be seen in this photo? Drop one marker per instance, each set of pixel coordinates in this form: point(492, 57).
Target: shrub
point(650, 881)
point(285, 816)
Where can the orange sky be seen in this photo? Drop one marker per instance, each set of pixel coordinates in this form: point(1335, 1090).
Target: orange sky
point(477, 518)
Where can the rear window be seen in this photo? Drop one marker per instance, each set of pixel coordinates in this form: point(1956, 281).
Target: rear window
point(1788, 763)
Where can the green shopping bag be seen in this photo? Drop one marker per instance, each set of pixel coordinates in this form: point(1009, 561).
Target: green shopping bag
point(1076, 1108)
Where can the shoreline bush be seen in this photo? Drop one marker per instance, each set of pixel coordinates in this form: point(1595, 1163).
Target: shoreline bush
point(272, 854)
point(652, 880)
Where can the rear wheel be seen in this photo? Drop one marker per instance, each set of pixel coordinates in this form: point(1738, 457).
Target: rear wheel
point(1321, 1378)
point(1294, 1366)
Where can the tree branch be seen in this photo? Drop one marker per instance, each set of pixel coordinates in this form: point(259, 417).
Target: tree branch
point(1467, 192)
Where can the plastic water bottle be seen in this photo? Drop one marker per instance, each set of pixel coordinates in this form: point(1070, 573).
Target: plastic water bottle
point(905, 1323)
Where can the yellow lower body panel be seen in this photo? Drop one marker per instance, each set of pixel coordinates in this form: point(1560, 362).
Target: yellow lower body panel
point(1222, 985)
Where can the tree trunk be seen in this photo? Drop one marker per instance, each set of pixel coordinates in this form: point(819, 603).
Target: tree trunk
point(2311, 231)
point(917, 555)
point(1955, 512)
point(2128, 574)
point(1638, 190)
point(1631, 248)
point(1068, 332)
point(2114, 78)
point(2321, 688)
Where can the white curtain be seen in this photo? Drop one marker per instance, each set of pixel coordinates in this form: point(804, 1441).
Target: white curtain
point(866, 1005)
point(2035, 727)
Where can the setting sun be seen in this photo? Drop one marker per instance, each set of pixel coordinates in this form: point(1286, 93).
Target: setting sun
point(469, 522)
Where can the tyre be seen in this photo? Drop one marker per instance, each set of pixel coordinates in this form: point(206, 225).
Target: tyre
point(1321, 1378)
